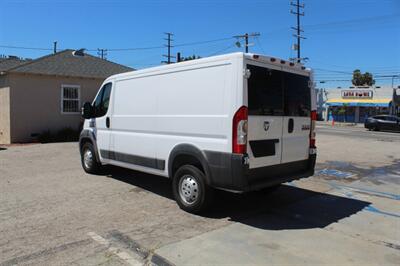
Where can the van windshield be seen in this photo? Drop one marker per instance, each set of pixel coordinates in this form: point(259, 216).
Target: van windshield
point(277, 93)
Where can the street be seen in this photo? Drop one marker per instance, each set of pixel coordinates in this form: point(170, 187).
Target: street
point(52, 213)
point(359, 132)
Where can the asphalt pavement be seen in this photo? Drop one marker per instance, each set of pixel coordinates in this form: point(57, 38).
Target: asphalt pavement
point(52, 213)
point(357, 131)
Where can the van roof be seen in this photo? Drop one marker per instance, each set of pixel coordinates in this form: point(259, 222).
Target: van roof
point(250, 56)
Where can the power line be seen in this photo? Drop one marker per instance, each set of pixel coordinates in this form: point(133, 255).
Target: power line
point(354, 21)
point(223, 50)
point(259, 44)
point(25, 48)
point(203, 42)
point(387, 78)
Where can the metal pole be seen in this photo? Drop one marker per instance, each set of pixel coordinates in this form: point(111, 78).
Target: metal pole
point(246, 36)
point(298, 31)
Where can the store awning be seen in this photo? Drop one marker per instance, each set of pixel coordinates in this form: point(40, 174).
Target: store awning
point(359, 102)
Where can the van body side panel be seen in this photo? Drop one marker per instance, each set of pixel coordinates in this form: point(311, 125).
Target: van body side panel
point(153, 113)
point(134, 121)
point(193, 108)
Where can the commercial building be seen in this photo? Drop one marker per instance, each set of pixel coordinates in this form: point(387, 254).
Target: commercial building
point(46, 94)
point(355, 104)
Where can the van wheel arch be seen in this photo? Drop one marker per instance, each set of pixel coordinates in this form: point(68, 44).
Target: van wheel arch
point(87, 136)
point(186, 154)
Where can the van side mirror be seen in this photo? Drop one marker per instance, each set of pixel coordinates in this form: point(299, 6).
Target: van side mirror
point(87, 110)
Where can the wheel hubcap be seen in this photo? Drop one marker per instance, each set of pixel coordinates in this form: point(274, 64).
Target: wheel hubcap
point(188, 189)
point(88, 158)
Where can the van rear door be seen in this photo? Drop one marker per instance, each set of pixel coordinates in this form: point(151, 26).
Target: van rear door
point(297, 119)
point(265, 116)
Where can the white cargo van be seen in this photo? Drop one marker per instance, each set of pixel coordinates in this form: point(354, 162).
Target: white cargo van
point(238, 122)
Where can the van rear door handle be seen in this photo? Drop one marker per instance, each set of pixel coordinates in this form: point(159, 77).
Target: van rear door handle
point(108, 122)
point(290, 125)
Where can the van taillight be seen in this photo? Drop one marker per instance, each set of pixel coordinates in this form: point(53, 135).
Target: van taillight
point(239, 131)
point(312, 131)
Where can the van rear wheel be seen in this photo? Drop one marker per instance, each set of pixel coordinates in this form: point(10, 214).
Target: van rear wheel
point(88, 159)
point(190, 191)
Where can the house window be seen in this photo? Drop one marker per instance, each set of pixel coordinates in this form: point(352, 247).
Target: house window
point(70, 99)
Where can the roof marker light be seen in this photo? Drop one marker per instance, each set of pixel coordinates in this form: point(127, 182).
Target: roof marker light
point(272, 59)
point(255, 56)
point(283, 62)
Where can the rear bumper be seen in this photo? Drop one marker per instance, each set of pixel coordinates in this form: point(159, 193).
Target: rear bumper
point(230, 171)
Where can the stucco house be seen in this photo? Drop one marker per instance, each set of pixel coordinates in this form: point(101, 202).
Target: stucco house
point(47, 93)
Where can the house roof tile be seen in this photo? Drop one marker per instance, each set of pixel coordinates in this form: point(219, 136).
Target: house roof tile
point(65, 63)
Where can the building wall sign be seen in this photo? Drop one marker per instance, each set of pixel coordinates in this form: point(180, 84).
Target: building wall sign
point(357, 94)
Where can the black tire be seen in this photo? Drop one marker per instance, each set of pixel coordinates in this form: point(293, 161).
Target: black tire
point(94, 167)
point(376, 128)
point(184, 176)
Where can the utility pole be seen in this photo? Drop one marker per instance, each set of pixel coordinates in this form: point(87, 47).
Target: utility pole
point(298, 29)
point(102, 53)
point(246, 40)
point(55, 47)
point(169, 46)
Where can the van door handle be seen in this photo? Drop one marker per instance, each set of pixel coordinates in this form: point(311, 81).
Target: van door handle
point(290, 125)
point(108, 122)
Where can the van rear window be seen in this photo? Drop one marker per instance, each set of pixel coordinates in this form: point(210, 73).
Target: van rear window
point(265, 94)
point(296, 94)
point(277, 93)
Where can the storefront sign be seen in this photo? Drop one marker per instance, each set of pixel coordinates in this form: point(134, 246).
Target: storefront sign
point(357, 94)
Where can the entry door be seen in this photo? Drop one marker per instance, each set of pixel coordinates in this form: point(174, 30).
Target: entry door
point(297, 119)
point(102, 121)
point(265, 108)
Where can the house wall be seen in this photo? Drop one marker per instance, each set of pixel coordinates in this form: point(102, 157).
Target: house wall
point(36, 104)
point(5, 115)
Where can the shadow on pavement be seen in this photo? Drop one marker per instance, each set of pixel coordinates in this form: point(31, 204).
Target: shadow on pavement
point(3, 149)
point(286, 208)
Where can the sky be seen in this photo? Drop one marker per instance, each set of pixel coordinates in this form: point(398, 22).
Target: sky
point(341, 35)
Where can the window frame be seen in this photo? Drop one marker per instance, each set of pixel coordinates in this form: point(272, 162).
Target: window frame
point(100, 93)
point(78, 87)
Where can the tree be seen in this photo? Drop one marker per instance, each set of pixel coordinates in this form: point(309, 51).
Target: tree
point(360, 79)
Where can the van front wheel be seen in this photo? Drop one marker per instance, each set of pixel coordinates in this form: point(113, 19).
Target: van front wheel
point(190, 190)
point(88, 159)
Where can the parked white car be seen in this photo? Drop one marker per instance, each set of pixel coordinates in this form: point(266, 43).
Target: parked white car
point(238, 122)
